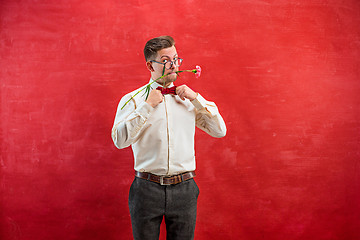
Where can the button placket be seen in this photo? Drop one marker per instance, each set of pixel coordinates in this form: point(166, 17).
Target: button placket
point(170, 133)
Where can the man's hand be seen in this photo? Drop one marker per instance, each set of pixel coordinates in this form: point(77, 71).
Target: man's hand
point(184, 92)
point(155, 98)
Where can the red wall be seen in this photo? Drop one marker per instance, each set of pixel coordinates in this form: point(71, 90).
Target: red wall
point(285, 75)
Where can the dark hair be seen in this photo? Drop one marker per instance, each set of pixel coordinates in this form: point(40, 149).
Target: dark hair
point(154, 45)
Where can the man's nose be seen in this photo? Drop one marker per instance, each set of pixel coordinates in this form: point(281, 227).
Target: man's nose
point(172, 65)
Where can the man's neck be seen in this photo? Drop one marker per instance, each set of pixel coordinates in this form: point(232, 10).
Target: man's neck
point(165, 85)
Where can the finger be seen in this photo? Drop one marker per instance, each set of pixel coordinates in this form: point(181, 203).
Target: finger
point(182, 97)
point(182, 91)
point(182, 87)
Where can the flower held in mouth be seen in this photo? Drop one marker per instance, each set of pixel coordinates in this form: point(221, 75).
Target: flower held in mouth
point(147, 88)
point(198, 71)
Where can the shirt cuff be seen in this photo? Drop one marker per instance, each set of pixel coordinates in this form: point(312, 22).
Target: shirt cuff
point(199, 102)
point(144, 110)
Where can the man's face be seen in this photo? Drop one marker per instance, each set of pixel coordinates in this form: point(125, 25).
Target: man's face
point(165, 55)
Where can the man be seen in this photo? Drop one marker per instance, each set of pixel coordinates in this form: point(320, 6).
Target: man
point(161, 131)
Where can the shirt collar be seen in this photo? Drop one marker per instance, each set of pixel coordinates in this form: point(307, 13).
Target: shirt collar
point(155, 84)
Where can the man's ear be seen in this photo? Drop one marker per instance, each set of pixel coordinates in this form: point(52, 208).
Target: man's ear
point(149, 67)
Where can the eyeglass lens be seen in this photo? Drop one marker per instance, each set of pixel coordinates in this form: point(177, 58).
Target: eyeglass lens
point(177, 62)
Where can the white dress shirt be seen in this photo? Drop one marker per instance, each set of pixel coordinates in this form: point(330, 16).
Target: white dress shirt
point(162, 138)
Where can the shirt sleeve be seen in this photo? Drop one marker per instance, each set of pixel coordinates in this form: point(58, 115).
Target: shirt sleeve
point(208, 117)
point(129, 121)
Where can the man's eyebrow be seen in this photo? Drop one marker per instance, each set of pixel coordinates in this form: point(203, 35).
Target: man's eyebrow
point(168, 56)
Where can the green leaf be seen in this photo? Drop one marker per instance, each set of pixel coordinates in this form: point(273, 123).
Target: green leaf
point(147, 91)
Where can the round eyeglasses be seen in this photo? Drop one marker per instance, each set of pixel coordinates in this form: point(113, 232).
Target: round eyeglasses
point(168, 64)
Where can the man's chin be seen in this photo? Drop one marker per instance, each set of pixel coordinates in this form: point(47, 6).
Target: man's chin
point(171, 78)
point(168, 79)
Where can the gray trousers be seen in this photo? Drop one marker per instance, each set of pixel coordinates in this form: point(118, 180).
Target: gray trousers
point(150, 202)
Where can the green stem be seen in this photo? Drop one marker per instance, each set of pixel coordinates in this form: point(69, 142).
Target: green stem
point(147, 87)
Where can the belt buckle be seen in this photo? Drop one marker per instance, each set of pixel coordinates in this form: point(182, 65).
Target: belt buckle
point(162, 181)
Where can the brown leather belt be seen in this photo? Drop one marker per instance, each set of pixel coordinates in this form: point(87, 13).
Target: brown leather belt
point(165, 180)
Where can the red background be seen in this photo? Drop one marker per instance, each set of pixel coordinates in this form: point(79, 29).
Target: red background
point(284, 74)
